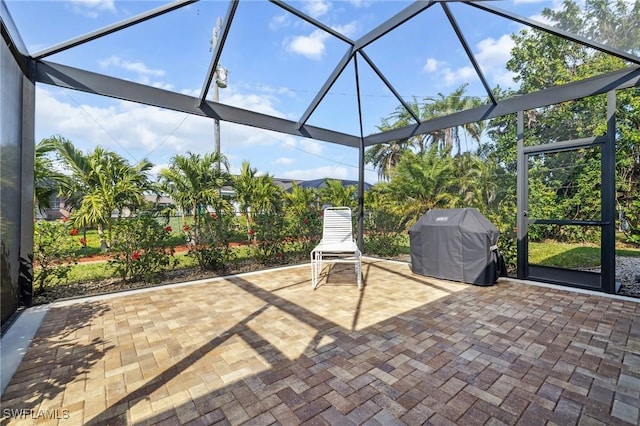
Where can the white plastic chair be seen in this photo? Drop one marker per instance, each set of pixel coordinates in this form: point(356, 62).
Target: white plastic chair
point(337, 244)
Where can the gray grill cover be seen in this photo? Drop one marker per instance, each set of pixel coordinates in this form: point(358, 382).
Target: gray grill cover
point(455, 244)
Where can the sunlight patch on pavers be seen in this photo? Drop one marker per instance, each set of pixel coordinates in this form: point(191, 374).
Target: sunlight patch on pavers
point(394, 291)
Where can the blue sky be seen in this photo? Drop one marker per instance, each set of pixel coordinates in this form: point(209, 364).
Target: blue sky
point(276, 64)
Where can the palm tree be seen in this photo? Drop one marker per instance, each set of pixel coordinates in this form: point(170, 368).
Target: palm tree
point(385, 156)
point(476, 181)
point(301, 200)
point(421, 182)
point(255, 194)
point(243, 186)
point(267, 197)
point(336, 194)
point(447, 104)
point(101, 182)
point(194, 182)
point(47, 180)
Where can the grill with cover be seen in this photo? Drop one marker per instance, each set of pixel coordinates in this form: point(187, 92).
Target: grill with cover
point(456, 245)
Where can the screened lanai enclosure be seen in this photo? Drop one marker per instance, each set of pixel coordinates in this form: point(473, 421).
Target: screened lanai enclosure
point(352, 59)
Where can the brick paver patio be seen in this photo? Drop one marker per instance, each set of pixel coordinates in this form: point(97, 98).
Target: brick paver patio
point(265, 348)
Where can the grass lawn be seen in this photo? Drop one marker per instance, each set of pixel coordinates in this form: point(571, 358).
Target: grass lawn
point(93, 241)
point(548, 253)
point(566, 255)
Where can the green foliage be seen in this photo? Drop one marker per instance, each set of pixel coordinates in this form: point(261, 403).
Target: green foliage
point(52, 253)
point(194, 182)
point(383, 233)
point(304, 229)
point(101, 181)
point(269, 230)
point(303, 217)
point(504, 218)
point(142, 248)
point(47, 180)
point(210, 240)
point(335, 194)
point(633, 222)
point(422, 182)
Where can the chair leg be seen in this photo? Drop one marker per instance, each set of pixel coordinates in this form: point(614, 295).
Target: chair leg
point(359, 271)
point(314, 278)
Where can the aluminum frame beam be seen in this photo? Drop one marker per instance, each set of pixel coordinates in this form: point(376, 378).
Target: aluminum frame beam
point(608, 200)
point(13, 40)
point(389, 86)
point(621, 79)
point(312, 21)
point(558, 32)
point(110, 29)
point(373, 35)
point(217, 51)
point(344, 61)
point(393, 23)
point(98, 84)
point(467, 49)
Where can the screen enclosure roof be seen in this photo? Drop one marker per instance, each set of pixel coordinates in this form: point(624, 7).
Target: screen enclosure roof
point(356, 66)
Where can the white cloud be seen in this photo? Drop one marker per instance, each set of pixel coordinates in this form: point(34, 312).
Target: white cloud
point(358, 3)
point(140, 131)
point(492, 53)
point(317, 8)
point(311, 46)
point(133, 130)
point(348, 30)
point(92, 8)
point(137, 67)
point(156, 169)
point(253, 102)
point(492, 56)
point(283, 161)
point(288, 141)
point(144, 74)
point(280, 21)
point(431, 65)
point(452, 77)
point(311, 146)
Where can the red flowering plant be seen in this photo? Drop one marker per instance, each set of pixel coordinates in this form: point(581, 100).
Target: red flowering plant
point(270, 232)
point(142, 249)
point(74, 232)
point(210, 239)
point(305, 229)
point(168, 228)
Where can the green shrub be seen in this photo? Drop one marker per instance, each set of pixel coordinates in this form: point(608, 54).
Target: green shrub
point(632, 224)
point(269, 232)
point(383, 233)
point(305, 230)
point(53, 253)
point(142, 248)
point(504, 218)
point(210, 241)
